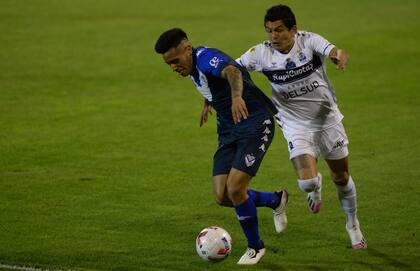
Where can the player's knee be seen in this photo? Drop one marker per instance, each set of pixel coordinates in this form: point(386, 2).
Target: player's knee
point(233, 192)
point(309, 185)
point(236, 194)
point(340, 178)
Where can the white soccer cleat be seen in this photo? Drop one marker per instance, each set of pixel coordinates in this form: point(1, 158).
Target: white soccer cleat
point(280, 218)
point(356, 237)
point(251, 256)
point(314, 199)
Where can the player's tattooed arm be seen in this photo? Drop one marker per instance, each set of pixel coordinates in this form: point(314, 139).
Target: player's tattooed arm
point(234, 76)
point(339, 57)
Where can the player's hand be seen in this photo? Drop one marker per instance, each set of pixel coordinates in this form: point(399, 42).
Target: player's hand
point(204, 114)
point(340, 59)
point(239, 110)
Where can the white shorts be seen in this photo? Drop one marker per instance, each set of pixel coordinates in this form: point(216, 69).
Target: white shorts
point(331, 143)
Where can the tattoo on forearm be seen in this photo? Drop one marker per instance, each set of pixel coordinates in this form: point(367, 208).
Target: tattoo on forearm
point(234, 77)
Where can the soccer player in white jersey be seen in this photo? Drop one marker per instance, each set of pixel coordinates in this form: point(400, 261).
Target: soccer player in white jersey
point(293, 62)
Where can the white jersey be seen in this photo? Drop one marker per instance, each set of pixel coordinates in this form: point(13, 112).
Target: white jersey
point(301, 90)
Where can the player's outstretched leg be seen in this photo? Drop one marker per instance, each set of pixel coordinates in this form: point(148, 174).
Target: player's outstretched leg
point(276, 201)
point(347, 197)
point(313, 188)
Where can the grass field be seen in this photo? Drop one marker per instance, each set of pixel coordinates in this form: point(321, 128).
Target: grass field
point(103, 166)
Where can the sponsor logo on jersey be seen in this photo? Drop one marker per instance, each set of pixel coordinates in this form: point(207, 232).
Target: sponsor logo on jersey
point(214, 62)
point(291, 145)
point(249, 160)
point(300, 92)
point(281, 77)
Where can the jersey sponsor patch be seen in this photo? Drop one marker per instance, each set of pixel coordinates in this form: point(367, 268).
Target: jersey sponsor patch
point(281, 77)
point(214, 62)
point(301, 91)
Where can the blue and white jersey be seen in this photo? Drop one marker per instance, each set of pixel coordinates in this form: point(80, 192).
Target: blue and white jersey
point(301, 91)
point(206, 75)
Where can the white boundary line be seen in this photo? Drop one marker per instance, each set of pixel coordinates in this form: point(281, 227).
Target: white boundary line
point(28, 268)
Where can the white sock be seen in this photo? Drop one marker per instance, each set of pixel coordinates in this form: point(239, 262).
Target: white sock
point(310, 185)
point(347, 197)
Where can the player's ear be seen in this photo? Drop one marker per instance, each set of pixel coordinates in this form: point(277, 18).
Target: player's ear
point(294, 29)
point(188, 47)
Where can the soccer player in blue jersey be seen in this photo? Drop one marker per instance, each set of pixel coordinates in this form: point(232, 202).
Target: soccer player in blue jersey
point(245, 129)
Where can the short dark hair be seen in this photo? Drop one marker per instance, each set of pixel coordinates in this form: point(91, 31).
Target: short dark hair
point(169, 39)
point(280, 12)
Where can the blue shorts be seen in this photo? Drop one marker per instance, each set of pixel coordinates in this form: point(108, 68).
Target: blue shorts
point(247, 151)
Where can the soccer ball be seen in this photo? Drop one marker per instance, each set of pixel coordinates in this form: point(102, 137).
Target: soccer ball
point(213, 244)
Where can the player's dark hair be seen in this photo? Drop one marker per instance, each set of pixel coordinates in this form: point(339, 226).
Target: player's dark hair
point(280, 12)
point(169, 39)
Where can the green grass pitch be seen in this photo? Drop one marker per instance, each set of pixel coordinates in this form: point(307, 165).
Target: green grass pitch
point(103, 165)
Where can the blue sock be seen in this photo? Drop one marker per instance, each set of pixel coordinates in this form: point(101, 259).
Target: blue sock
point(264, 199)
point(247, 216)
